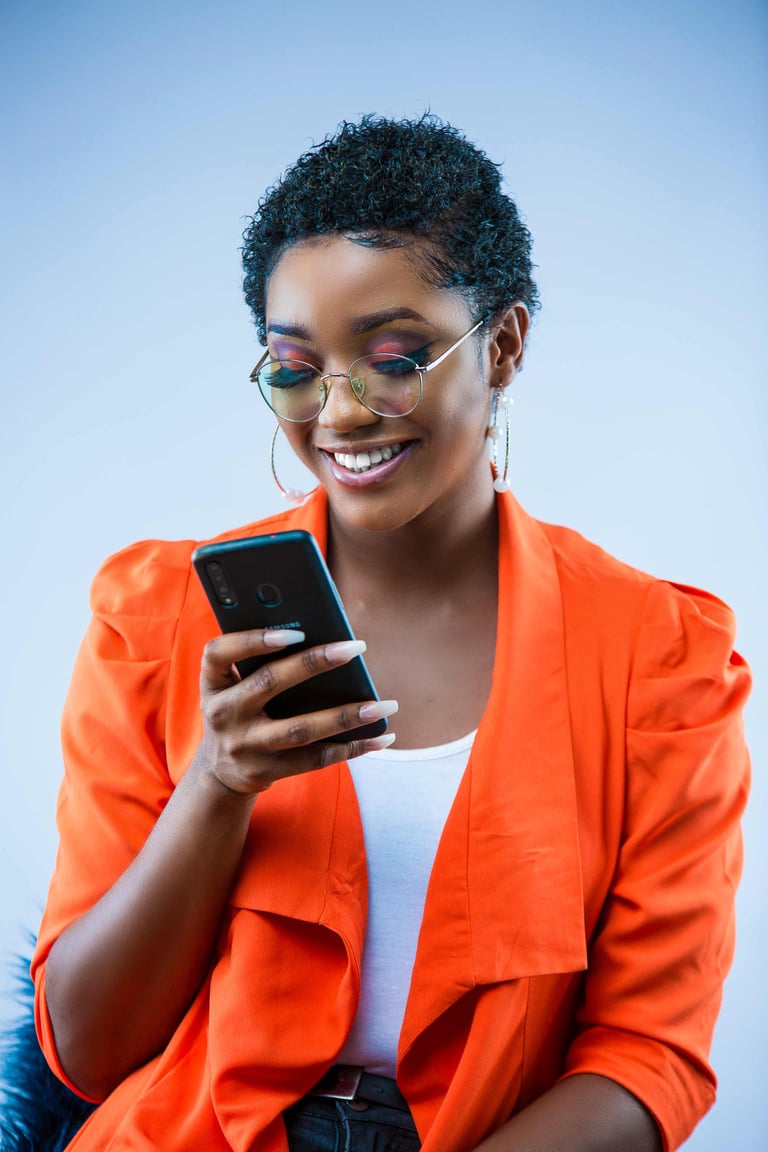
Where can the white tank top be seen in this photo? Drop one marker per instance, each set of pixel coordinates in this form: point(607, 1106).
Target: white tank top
point(404, 796)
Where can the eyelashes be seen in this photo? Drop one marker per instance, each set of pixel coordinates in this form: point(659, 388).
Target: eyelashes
point(419, 355)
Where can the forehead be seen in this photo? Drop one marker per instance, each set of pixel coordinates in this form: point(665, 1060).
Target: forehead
point(327, 281)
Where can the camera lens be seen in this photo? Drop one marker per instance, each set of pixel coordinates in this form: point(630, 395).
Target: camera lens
point(221, 585)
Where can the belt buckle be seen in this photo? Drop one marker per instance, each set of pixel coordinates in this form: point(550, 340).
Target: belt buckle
point(339, 1083)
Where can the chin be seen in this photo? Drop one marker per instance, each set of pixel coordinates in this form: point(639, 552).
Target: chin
point(367, 515)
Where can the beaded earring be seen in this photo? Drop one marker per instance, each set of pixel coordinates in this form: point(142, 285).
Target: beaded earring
point(503, 402)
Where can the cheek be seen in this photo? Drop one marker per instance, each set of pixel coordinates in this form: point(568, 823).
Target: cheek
point(297, 436)
point(465, 410)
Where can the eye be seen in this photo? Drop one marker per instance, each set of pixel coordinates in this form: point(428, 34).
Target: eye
point(390, 365)
point(285, 374)
point(420, 355)
point(392, 348)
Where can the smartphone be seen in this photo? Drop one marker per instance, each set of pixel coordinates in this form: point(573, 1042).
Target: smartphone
point(282, 581)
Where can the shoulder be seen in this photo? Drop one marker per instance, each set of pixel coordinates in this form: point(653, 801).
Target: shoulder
point(581, 560)
point(655, 628)
point(586, 569)
point(152, 577)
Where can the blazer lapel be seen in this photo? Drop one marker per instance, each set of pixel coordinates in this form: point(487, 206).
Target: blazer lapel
point(505, 896)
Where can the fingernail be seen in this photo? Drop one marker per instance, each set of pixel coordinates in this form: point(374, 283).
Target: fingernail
point(378, 743)
point(344, 650)
point(378, 710)
point(282, 637)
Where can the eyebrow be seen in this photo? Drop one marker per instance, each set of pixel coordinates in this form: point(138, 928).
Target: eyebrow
point(358, 326)
point(378, 319)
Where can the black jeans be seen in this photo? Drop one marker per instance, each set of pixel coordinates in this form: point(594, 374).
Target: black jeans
point(317, 1124)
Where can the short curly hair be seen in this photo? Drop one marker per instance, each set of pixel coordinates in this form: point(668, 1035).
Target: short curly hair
point(384, 183)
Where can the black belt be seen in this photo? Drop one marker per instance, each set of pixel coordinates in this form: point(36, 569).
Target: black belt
point(350, 1082)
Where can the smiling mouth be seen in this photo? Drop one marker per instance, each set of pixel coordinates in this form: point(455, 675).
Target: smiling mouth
point(364, 461)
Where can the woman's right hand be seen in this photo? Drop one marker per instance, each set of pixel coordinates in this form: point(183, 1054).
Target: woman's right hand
point(245, 750)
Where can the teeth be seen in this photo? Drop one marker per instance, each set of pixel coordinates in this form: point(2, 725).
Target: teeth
point(363, 461)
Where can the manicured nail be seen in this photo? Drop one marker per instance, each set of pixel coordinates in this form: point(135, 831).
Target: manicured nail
point(282, 637)
point(378, 710)
point(344, 650)
point(378, 743)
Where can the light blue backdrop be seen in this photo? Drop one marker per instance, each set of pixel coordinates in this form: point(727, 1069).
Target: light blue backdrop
point(136, 137)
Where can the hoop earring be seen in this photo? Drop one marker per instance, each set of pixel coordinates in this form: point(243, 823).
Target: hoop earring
point(500, 477)
point(292, 495)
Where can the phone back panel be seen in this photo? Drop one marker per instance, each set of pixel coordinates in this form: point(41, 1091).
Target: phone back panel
point(282, 581)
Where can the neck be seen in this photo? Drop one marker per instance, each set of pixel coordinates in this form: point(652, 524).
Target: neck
point(439, 548)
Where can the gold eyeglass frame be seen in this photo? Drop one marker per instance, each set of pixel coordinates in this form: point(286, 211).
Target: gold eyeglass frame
point(421, 369)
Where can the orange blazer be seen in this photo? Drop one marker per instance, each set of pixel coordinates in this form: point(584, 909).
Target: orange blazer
point(579, 916)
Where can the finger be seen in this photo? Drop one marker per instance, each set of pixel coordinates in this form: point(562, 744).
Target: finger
point(310, 759)
point(275, 676)
point(318, 756)
point(221, 653)
point(335, 753)
point(318, 727)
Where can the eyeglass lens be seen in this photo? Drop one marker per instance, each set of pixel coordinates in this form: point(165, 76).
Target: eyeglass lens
point(386, 384)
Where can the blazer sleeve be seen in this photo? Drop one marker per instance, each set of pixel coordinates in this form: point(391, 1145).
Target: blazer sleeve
point(666, 937)
point(116, 781)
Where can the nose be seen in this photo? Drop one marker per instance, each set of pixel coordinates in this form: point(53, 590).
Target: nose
point(343, 411)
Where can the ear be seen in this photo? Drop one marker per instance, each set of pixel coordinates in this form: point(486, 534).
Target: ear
point(507, 345)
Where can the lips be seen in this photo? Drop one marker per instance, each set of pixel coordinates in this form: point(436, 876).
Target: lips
point(364, 461)
point(374, 464)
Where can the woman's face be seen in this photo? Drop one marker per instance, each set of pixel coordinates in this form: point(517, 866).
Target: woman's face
point(329, 301)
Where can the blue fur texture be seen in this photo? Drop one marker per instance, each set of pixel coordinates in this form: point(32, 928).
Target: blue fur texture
point(37, 1112)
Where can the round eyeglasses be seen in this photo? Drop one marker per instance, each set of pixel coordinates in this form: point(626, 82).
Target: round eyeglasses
point(385, 384)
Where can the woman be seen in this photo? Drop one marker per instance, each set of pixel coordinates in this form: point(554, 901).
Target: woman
point(510, 930)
